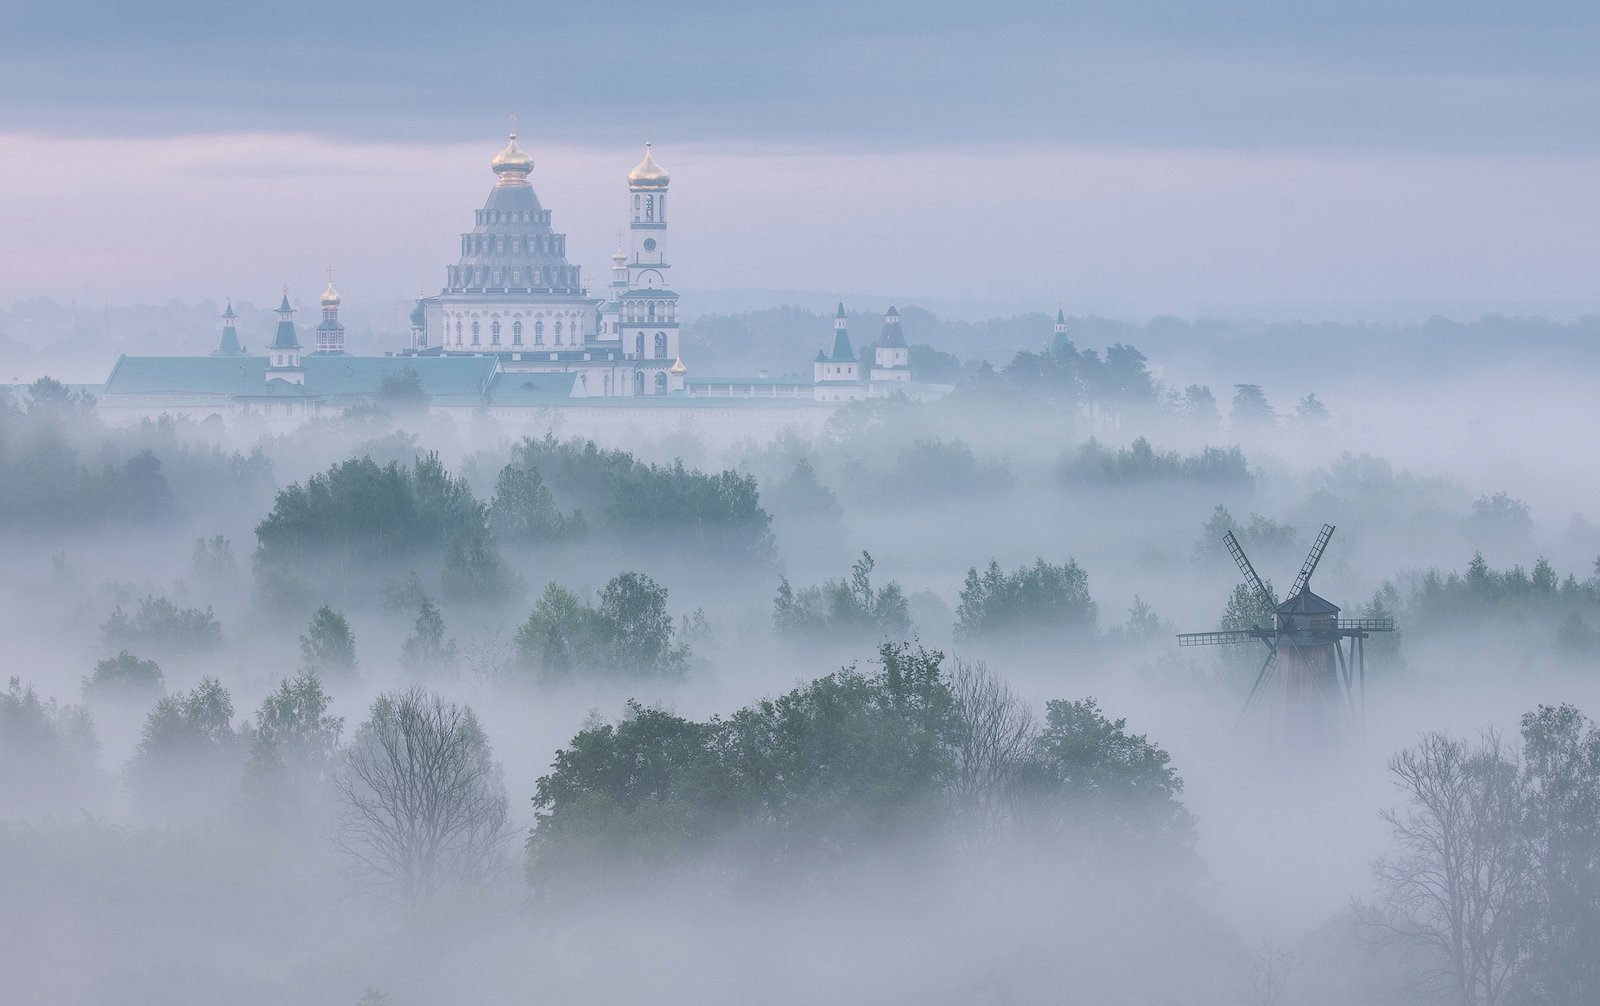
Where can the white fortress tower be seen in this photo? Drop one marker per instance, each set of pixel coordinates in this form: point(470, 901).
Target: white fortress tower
point(283, 356)
point(837, 375)
point(891, 358)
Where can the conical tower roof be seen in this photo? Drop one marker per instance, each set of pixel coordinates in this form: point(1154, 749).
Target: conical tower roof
point(892, 337)
point(229, 345)
point(285, 337)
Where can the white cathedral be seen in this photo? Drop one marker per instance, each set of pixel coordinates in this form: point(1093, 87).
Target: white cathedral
point(514, 295)
point(516, 335)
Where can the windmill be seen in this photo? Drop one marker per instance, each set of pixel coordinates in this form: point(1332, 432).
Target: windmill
point(1321, 679)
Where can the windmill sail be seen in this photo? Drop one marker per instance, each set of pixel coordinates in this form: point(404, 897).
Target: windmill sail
point(1310, 565)
point(1249, 571)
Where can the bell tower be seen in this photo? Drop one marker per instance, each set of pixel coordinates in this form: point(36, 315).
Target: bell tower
point(648, 309)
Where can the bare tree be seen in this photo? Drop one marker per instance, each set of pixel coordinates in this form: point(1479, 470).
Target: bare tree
point(1459, 881)
point(424, 803)
point(996, 730)
point(1270, 970)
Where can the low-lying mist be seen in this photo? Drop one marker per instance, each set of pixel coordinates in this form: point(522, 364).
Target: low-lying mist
point(390, 708)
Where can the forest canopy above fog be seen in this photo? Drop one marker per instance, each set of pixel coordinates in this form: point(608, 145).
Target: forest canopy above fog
point(441, 708)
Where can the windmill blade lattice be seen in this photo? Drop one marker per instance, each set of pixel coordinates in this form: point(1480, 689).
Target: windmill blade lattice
point(1310, 565)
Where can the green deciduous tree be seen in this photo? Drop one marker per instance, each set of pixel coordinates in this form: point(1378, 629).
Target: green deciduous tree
point(124, 678)
point(1031, 600)
point(628, 634)
point(159, 626)
point(1561, 761)
point(849, 610)
point(293, 753)
point(1250, 412)
point(524, 510)
point(328, 649)
point(426, 651)
point(1113, 792)
point(189, 755)
point(474, 572)
point(212, 565)
point(47, 752)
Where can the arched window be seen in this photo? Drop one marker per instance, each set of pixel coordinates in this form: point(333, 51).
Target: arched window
point(638, 382)
point(516, 333)
point(458, 332)
point(638, 346)
point(558, 331)
point(494, 332)
point(475, 332)
point(649, 207)
point(661, 345)
point(661, 384)
point(538, 333)
point(651, 311)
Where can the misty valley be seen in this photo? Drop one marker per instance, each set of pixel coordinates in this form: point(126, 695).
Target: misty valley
point(392, 706)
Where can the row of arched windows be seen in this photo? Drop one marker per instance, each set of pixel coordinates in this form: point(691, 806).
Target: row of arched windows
point(644, 208)
point(649, 310)
point(505, 217)
point(516, 244)
point(660, 345)
point(471, 331)
point(552, 277)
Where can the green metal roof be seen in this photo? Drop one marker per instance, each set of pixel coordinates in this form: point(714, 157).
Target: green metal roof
point(530, 389)
point(842, 353)
point(447, 380)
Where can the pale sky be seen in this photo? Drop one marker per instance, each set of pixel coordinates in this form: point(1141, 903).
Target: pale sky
point(1245, 158)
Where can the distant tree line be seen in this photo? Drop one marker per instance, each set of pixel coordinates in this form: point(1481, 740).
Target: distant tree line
point(61, 468)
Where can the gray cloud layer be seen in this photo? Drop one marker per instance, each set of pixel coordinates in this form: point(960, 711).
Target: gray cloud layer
point(1462, 76)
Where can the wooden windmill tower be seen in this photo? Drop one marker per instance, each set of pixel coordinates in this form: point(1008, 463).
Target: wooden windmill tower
point(1317, 679)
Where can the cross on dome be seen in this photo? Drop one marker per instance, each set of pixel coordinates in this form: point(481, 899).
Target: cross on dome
point(512, 164)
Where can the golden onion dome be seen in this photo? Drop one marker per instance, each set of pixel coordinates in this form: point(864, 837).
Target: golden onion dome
point(330, 296)
point(648, 174)
point(513, 163)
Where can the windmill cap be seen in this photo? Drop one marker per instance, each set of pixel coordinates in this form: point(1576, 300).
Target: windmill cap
point(1307, 603)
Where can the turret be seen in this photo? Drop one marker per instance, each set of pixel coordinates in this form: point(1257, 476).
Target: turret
point(228, 345)
point(891, 358)
point(283, 358)
point(839, 369)
point(1058, 341)
point(330, 334)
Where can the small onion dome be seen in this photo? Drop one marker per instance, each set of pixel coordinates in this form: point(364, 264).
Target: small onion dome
point(678, 369)
point(330, 296)
point(512, 164)
point(419, 316)
point(619, 257)
point(649, 174)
